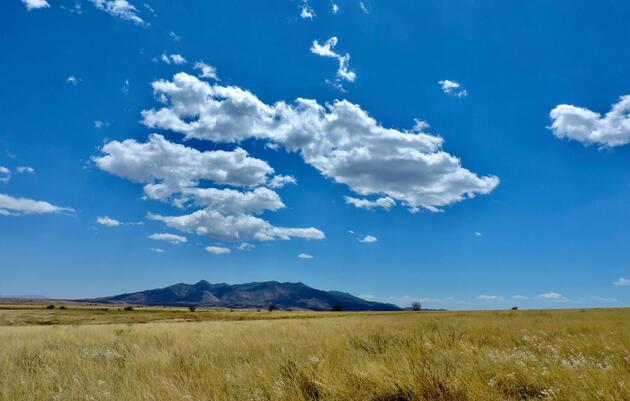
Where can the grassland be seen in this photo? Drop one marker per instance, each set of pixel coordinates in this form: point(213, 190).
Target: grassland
point(514, 355)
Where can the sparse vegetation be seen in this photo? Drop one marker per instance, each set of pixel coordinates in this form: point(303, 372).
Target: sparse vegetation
point(456, 356)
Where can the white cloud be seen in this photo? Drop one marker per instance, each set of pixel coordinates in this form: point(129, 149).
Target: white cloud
point(589, 127)
point(72, 80)
point(237, 227)
point(229, 201)
point(98, 124)
point(109, 222)
point(176, 59)
point(551, 296)
point(622, 282)
point(478, 234)
point(334, 8)
point(167, 168)
point(10, 206)
point(125, 87)
point(121, 9)
point(368, 239)
point(245, 246)
point(5, 174)
point(175, 36)
point(340, 140)
point(385, 203)
point(218, 250)
point(603, 299)
point(453, 88)
point(326, 50)
point(280, 181)
point(172, 238)
point(206, 70)
point(305, 256)
point(35, 4)
point(489, 298)
point(157, 250)
point(25, 170)
point(363, 7)
point(307, 11)
point(521, 297)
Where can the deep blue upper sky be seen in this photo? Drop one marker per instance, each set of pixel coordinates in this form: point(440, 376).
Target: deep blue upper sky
point(554, 230)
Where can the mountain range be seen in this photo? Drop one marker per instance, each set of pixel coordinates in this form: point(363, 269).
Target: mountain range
point(250, 295)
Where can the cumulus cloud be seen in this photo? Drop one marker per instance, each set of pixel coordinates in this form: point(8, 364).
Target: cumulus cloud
point(305, 256)
point(326, 50)
point(5, 174)
point(622, 282)
point(206, 70)
point(229, 201)
point(334, 8)
point(236, 227)
point(453, 88)
point(35, 4)
point(218, 250)
point(590, 128)
point(280, 181)
point(385, 203)
point(551, 296)
point(10, 206)
point(121, 9)
point(176, 59)
point(172, 238)
point(167, 168)
point(340, 140)
point(368, 239)
point(489, 298)
point(109, 222)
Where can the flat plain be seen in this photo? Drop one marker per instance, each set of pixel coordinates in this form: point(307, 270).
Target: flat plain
point(88, 353)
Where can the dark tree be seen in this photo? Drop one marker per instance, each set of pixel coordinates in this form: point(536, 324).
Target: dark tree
point(192, 308)
point(271, 307)
point(337, 308)
point(416, 306)
point(515, 308)
point(50, 307)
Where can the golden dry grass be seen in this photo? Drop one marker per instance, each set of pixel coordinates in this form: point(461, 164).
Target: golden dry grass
point(525, 355)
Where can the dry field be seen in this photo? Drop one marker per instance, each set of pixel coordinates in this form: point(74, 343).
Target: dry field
point(514, 355)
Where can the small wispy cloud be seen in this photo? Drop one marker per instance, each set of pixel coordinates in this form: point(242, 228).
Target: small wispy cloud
point(218, 250)
point(552, 296)
point(368, 239)
point(453, 88)
point(11, 206)
point(72, 80)
point(306, 11)
point(245, 246)
point(157, 250)
point(5, 174)
point(520, 297)
point(305, 256)
point(334, 8)
point(25, 170)
point(326, 49)
point(622, 282)
point(206, 70)
point(172, 238)
point(109, 222)
point(489, 298)
point(122, 9)
point(176, 59)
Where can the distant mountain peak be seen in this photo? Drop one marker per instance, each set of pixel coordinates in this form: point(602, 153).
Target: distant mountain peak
point(249, 295)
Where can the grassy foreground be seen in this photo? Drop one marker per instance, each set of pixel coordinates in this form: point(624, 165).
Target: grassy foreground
point(524, 355)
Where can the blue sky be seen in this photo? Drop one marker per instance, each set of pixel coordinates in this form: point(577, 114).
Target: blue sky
point(469, 156)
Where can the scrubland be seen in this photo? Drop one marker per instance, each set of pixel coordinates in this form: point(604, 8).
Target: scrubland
point(513, 355)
